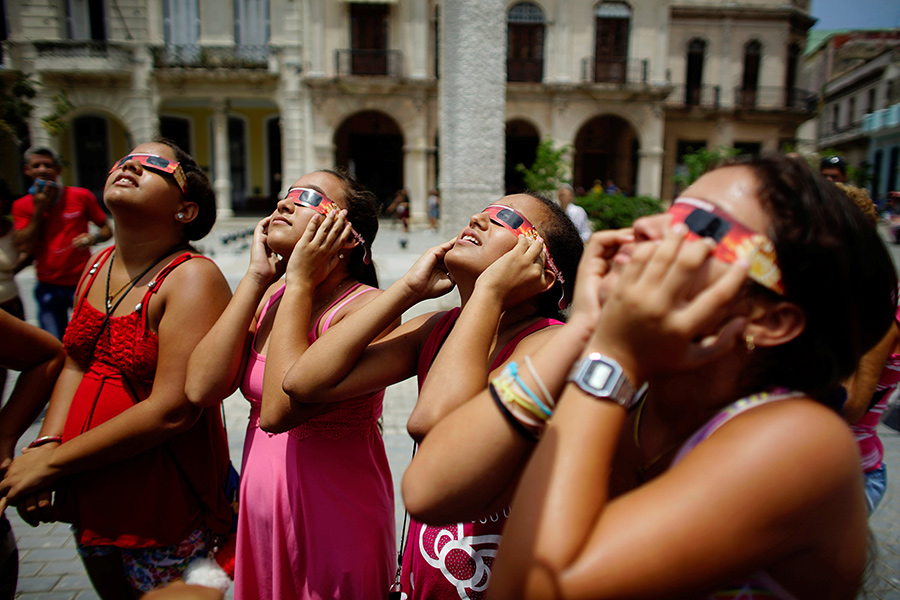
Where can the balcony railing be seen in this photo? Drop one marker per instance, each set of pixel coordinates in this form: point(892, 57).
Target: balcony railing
point(525, 69)
point(368, 62)
point(613, 69)
point(195, 56)
point(82, 56)
point(773, 98)
point(704, 96)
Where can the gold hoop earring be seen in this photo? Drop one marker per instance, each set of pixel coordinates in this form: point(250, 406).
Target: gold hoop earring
point(748, 342)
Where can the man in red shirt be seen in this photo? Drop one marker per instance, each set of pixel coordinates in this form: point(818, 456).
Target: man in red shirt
point(52, 226)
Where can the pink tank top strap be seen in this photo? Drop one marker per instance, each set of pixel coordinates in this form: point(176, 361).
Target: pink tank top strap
point(90, 276)
point(345, 299)
point(511, 346)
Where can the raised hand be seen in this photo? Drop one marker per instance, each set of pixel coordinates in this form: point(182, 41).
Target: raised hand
point(672, 308)
point(517, 275)
point(593, 268)
point(265, 265)
point(318, 249)
point(428, 277)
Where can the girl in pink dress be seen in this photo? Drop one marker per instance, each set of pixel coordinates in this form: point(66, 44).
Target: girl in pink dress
point(316, 498)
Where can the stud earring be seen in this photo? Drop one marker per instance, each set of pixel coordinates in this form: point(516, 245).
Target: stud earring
point(341, 256)
point(748, 342)
point(180, 215)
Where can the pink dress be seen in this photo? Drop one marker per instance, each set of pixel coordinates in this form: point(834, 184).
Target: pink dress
point(316, 514)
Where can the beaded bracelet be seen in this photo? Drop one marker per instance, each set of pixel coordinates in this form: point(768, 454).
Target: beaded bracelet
point(45, 439)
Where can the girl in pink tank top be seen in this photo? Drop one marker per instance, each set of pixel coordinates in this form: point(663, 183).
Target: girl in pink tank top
point(513, 265)
point(316, 512)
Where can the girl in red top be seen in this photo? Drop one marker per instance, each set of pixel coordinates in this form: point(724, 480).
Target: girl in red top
point(137, 469)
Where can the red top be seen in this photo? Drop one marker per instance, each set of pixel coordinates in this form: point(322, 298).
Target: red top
point(158, 497)
point(450, 562)
point(57, 261)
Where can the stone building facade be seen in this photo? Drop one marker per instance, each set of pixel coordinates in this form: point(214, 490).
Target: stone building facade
point(262, 91)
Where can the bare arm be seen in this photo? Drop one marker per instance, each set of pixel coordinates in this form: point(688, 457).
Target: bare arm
point(39, 356)
point(27, 236)
point(217, 363)
point(345, 362)
point(489, 454)
point(862, 383)
point(193, 297)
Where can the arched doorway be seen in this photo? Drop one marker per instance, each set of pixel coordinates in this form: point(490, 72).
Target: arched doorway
point(370, 145)
point(606, 148)
point(521, 145)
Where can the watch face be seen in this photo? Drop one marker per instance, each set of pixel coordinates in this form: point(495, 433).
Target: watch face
point(598, 375)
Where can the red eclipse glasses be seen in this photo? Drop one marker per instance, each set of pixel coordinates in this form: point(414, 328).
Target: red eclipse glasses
point(733, 239)
point(154, 162)
point(323, 205)
point(519, 225)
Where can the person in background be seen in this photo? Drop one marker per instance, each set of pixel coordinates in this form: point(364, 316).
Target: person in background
point(51, 224)
point(611, 187)
point(434, 209)
point(833, 168)
point(11, 262)
point(39, 357)
point(577, 214)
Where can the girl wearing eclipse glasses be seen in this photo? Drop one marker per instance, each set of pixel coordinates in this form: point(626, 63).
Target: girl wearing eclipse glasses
point(694, 449)
point(316, 511)
point(136, 468)
point(514, 267)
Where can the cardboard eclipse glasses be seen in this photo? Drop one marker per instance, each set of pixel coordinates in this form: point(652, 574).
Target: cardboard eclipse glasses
point(519, 225)
point(154, 162)
point(734, 241)
point(323, 205)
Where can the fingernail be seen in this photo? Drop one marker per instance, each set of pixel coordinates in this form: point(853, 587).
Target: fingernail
point(679, 228)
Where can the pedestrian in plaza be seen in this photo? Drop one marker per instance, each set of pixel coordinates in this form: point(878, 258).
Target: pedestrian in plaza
point(566, 196)
point(316, 498)
point(51, 224)
point(833, 168)
point(514, 266)
point(434, 209)
point(136, 468)
point(731, 474)
point(38, 356)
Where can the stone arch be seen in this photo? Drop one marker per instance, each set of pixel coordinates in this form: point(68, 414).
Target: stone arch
point(522, 139)
point(94, 137)
point(370, 144)
point(606, 148)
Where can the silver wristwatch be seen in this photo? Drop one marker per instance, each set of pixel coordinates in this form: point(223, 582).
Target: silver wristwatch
point(604, 379)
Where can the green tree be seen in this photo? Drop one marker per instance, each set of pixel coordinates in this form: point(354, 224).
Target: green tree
point(15, 107)
point(699, 161)
point(550, 167)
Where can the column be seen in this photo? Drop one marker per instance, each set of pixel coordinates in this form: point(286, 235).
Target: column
point(415, 176)
point(472, 100)
point(650, 156)
point(222, 183)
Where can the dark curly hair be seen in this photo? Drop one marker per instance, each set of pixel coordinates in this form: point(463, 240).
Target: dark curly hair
point(200, 192)
point(362, 212)
point(566, 247)
point(834, 266)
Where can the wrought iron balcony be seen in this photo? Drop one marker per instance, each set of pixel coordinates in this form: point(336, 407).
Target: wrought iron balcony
point(614, 69)
point(385, 63)
point(525, 69)
point(704, 96)
point(195, 56)
point(83, 56)
point(773, 98)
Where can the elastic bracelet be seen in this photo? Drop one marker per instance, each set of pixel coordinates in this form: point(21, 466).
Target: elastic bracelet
point(540, 383)
point(508, 394)
point(45, 439)
point(510, 418)
point(514, 372)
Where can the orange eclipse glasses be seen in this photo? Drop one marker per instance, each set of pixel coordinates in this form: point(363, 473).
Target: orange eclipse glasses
point(323, 205)
point(157, 163)
point(734, 240)
point(516, 222)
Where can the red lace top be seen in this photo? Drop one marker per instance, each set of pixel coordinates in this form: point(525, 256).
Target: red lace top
point(158, 497)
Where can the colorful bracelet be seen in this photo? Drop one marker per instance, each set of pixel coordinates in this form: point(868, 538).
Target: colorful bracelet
point(520, 428)
point(512, 369)
point(45, 439)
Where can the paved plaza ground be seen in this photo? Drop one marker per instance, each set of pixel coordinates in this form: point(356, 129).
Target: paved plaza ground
point(50, 569)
